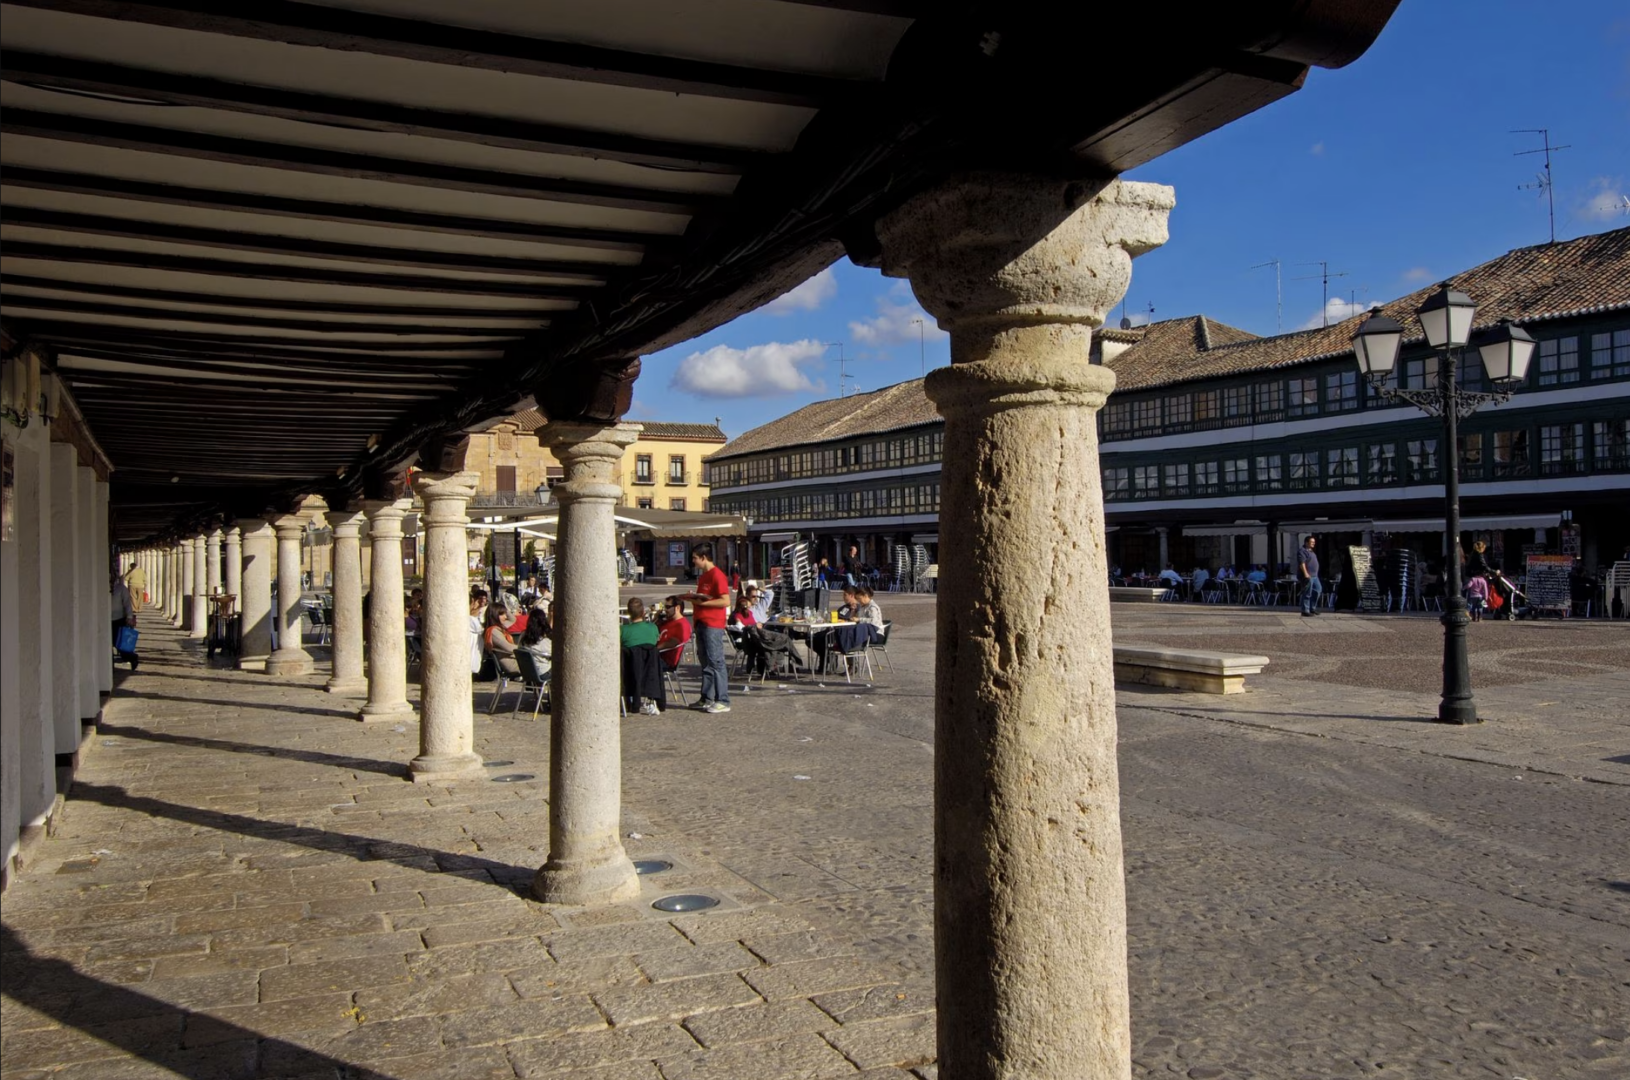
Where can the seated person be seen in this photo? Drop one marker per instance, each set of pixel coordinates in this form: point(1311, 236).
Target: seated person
point(867, 617)
point(1257, 575)
point(1201, 576)
point(866, 611)
point(674, 628)
point(514, 615)
point(498, 642)
point(742, 614)
point(535, 639)
point(642, 678)
point(1170, 575)
point(851, 601)
point(760, 597)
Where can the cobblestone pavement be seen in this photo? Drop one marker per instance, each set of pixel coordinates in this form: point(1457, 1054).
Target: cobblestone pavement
point(242, 884)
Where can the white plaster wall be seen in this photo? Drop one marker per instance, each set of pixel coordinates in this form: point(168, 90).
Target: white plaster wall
point(65, 599)
point(37, 786)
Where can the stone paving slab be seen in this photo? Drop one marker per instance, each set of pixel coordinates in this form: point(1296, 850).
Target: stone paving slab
point(244, 885)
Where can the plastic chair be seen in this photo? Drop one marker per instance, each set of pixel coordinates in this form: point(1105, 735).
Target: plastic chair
point(849, 658)
point(534, 677)
point(320, 624)
point(508, 668)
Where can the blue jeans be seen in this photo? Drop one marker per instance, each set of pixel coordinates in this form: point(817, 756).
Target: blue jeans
point(1311, 591)
point(710, 654)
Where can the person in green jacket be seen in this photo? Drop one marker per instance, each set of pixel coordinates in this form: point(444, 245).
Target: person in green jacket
point(637, 630)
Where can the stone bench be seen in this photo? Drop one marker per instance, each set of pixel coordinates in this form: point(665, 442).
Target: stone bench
point(1186, 669)
point(1136, 594)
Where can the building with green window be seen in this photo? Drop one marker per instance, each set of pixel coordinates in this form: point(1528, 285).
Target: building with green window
point(1221, 448)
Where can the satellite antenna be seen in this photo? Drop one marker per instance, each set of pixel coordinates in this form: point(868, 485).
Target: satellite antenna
point(1278, 293)
point(843, 371)
point(1542, 181)
point(1324, 275)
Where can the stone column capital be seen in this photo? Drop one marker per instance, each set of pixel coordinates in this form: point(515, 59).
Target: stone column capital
point(235, 532)
point(445, 495)
point(1015, 249)
point(385, 517)
point(289, 526)
point(215, 533)
point(255, 527)
point(591, 456)
point(347, 524)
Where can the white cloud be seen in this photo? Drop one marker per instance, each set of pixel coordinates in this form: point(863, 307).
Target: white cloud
point(806, 297)
point(896, 324)
point(1335, 311)
point(1609, 200)
point(1317, 149)
point(1415, 275)
point(756, 371)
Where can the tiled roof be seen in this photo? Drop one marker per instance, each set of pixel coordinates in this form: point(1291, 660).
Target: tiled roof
point(657, 429)
point(1533, 284)
point(903, 405)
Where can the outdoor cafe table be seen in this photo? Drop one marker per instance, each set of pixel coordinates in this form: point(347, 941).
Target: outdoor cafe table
point(808, 629)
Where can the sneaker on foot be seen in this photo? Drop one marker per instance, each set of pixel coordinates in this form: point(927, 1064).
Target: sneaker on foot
point(715, 707)
point(649, 708)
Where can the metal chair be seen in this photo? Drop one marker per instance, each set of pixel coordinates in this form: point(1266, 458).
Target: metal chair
point(508, 668)
point(849, 658)
point(533, 677)
point(880, 644)
point(320, 624)
point(670, 672)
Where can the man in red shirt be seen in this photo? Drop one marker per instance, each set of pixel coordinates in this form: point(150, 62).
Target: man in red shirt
point(712, 603)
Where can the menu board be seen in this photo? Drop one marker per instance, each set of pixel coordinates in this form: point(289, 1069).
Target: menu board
point(1369, 587)
point(1548, 586)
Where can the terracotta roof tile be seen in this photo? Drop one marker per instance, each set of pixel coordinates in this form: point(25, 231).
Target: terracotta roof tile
point(660, 429)
point(1529, 285)
point(903, 405)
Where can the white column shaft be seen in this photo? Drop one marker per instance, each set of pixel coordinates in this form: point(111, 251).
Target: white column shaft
point(347, 677)
point(186, 584)
point(104, 669)
point(232, 569)
point(259, 557)
point(446, 718)
point(65, 597)
point(387, 617)
point(198, 612)
point(586, 863)
point(291, 657)
point(212, 578)
point(94, 646)
point(37, 778)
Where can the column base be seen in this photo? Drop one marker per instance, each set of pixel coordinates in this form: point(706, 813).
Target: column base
point(444, 769)
point(391, 710)
point(347, 686)
point(289, 662)
point(252, 663)
point(582, 882)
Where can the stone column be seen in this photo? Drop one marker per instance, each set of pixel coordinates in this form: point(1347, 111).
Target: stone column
point(587, 863)
point(198, 604)
point(1164, 535)
point(259, 546)
point(36, 743)
point(104, 595)
point(1030, 917)
point(92, 569)
point(291, 657)
point(347, 677)
point(232, 570)
point(178, 577)
point(387, 617)
point(213, 579)
point(446, 720)
point(67, 593)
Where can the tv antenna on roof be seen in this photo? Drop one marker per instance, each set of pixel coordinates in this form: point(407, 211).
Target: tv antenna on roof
point(1542, 182)
point(843, 371)
point(1278, 293)
point(1323, 275)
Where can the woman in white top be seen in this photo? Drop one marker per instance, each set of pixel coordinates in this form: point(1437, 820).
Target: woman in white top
point(865, 609)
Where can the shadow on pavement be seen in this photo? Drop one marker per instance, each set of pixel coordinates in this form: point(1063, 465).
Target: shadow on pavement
point(360, 848)
point(189, 1044)
point(302, 710)
point(313, 757)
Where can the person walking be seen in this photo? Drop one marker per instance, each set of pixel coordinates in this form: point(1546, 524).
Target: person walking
point(137, 580)
point(1307, 569)
point(712, 603)
point(124, 614)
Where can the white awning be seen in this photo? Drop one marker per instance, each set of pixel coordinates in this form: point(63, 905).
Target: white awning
point(1472, 524)
point(1225, 530)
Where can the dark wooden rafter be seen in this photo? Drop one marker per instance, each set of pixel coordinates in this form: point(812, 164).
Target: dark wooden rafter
point(203, 390)
point(275, 155)
point(261, 303)
point(427, 367)
point(280, 375)
point(19, 303)
point(89, 76)
point(317, 210)
point(187, 264)
point(65, 332)
point(438, 43)
point(271, 244)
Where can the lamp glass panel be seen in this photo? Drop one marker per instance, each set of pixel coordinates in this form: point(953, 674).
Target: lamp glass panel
point(1497, 359)
point(1436, 324)
point(1460, 324)
point(1521, 353)
point(1377, 353)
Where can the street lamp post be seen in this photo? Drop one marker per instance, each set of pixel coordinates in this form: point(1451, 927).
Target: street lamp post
point(1446, 317)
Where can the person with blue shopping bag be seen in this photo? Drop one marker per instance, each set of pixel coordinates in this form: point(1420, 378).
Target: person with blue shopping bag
point(124, 623)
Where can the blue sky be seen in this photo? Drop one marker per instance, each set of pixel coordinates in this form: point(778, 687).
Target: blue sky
point(1398, 169)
